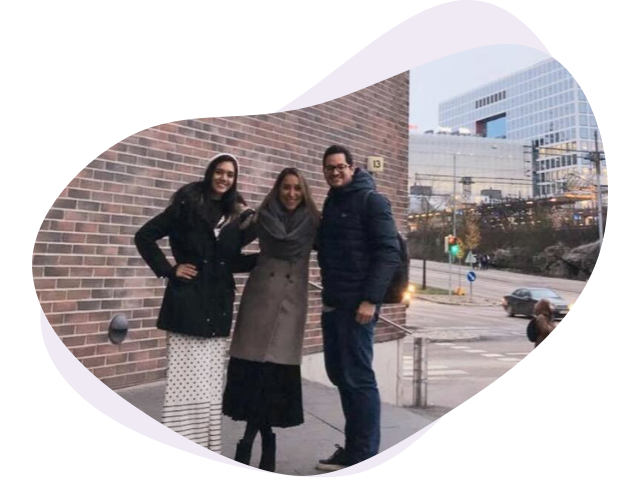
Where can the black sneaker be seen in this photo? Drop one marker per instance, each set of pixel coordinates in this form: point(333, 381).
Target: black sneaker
point(337, 461)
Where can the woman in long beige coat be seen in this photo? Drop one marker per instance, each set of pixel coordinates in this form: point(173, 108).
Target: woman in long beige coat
point(263, 381)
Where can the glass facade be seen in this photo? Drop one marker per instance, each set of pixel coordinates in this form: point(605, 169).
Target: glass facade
point(541, 105)
point(485, 169)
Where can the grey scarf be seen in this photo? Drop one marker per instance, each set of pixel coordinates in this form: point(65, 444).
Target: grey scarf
point(285, 235)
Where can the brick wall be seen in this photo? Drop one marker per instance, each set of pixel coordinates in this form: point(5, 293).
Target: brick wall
point(86, 268)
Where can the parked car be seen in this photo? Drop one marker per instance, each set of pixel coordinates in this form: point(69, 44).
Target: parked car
point(522, 301)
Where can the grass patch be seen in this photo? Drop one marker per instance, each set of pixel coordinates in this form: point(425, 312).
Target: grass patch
point(430, 290)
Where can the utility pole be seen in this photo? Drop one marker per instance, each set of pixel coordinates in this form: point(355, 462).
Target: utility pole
point(596, 159)
point(453, 217)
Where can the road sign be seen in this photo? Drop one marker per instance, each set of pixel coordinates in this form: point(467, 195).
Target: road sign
point(471, 258)
point(471, 276)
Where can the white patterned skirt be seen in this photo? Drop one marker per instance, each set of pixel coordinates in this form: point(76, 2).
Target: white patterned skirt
point(195, 378)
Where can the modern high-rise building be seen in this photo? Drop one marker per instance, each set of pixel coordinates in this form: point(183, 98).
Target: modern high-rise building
point(541, 106)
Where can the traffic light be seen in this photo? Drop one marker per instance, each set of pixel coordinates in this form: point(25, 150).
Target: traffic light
point(454, 245)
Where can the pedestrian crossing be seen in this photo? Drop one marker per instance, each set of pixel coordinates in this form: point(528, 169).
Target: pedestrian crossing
point(441, 372)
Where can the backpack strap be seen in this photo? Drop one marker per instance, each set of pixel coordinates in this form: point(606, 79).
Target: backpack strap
point(365, 201)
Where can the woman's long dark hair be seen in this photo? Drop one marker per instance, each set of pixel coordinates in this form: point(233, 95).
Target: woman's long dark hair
point(197, 196)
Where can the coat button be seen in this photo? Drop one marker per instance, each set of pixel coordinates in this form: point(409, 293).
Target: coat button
point(208, 320)
point(288, 276)
point(272, 274)
point(221, 263)
point(205, 261)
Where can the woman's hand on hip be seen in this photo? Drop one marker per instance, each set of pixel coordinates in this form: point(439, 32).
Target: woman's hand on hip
point(186, 271)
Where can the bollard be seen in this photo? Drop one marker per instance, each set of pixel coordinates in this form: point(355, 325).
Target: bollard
point(419, 373)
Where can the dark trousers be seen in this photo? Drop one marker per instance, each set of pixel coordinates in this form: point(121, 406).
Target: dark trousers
point(348, 358)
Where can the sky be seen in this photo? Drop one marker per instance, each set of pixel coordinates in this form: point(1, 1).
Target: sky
point(447, 77)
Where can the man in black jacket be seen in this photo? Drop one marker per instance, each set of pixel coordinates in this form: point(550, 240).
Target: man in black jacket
point(358, 253)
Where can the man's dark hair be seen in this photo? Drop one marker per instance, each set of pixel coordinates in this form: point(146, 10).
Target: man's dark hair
point(333, 149)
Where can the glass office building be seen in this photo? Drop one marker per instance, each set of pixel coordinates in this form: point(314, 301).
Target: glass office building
point(483, 170)
point(540, 106)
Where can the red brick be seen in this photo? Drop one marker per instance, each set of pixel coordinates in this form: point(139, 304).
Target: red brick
point(147, 365)
point(106, 250)
point(129, 346)
point(100, 316)
point(64, 330)
point(110, 304)
point(93, 362)
point(45, 260)
point(107, 349)
point(94, 260)
point(137, 356)
point(68, 283)
point(56, 271)
point(108, 229)
point(53, 295)
point(158, 353)
point(88, 305)
point(125, 368)
point(81, 352)
point(62, 226)
point(117, 261)
point(74, 238)
point(65, 306)
point(86, 227)
point(85, 328)
point(138, 334)
point(59, 248)
point(148, 344)
point(104, 272)
point(70, 260)
point(92, 282)
point(118, 358)
point(44, 283)
point(75, 318)
point(52, 318)
point(102, 372)
point(74, 341)
point(40, 248)
point(96, 339)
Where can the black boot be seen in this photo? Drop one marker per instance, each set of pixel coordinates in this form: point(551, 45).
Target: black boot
point(268, 459)
point(243, 452)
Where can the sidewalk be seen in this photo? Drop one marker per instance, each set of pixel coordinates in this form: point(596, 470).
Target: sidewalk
point(299, 448)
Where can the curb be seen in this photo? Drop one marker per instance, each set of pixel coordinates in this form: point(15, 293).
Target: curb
point(426, 299)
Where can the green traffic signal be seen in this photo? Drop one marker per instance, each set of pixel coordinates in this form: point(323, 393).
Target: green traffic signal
point(454, 249)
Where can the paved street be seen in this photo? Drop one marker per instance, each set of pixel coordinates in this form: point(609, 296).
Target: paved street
point(469, 346)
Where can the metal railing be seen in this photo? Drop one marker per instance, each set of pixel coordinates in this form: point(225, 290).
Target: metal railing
point(385, 320)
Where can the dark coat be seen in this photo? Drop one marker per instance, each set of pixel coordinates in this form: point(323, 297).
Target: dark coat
point(202, 306)
point(358, 249)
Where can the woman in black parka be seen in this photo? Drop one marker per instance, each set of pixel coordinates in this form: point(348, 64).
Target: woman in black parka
point(203, 226)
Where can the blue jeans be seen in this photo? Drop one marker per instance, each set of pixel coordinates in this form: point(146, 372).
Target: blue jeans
point(348, 358)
